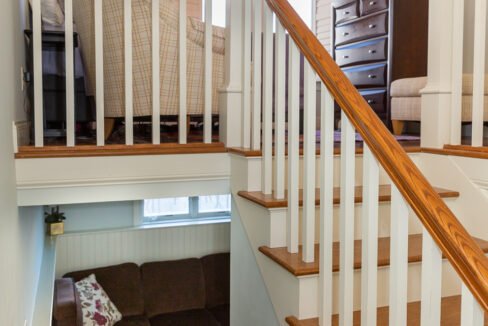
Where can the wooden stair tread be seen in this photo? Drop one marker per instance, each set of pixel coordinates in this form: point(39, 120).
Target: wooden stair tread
point(295, 265)
point(384, 195)
point(450, 315)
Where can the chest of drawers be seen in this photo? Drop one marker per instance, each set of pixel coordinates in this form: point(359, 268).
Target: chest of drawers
point(378, 41)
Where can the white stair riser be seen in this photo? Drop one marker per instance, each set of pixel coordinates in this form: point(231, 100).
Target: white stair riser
point(451, 285)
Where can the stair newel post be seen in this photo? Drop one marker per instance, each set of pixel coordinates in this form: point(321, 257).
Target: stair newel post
point(369, 236)
point(267, 146)
point(230, 97)
point(436, 96)
point(346, 274)
point(293, 146)
point(431, 281)
point(326, 205)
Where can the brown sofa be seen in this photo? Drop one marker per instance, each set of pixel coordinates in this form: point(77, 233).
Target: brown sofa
point(170, 293)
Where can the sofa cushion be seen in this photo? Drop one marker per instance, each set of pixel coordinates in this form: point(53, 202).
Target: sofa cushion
point(200, 317)
point(222, 314)
point(173, 286)
point(134, 321)
point(216, 270)
point(122, 283)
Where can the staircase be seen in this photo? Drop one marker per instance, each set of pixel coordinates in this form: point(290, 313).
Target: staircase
point(341, 237)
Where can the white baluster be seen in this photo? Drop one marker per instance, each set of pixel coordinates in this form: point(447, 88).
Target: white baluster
point(457, 71)
point(182, 121)
point(267, 171)
point(70, 74)
point(293, 146)
point(129, 105)
point(398, 259)
point(279, 79)
point(471, 312)
point(431, 281)
point(246, 76)
point(156, 115)
point(100, 98)
point(348, 162)
point(369, 222)
point(479, 72)
point(326, 204)
point(256, 75)
point(207, 123)
point(38, 88)
point(309, 149)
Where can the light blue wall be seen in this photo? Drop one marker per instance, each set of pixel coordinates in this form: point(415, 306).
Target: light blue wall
point(98, 216)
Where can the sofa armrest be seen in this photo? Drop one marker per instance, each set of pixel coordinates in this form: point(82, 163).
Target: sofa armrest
point(66, 306)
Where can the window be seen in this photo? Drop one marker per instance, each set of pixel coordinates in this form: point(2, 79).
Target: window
point(186, 209)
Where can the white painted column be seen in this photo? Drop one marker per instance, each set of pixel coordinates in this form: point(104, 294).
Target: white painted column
point(267, 147)
point(256, 74)
point(230, 98)
point(38, 88)
point(346, 274)
point(129, 105)
point(100, 98)
point(457, 71)
point(156, 89)
point(309, 149)
point(326, 205)
point(369, 223)
point(436, 96)
point(182, 65)
point(207, 123)
point(471, 312)
point(280, 95)
point(431, 282)
point(293, 146)
point(70, 74)
point(246, 76)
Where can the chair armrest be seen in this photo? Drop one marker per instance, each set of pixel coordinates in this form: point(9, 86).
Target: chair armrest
point(66, 306)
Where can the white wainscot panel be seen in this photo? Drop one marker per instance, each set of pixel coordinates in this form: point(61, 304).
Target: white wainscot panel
point(97, 249)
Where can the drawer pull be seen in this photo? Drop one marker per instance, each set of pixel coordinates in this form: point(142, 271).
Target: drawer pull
point(371, 26)
point(345, 34)
point(346, 13)
point(345, 57)
point(371, 102)
point(372, 3)
point(372, 51)
point(371, 76)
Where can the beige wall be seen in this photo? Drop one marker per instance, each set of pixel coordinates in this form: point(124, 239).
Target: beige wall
point(323, 20)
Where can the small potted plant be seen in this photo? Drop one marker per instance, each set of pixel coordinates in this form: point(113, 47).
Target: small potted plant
point(54, 221)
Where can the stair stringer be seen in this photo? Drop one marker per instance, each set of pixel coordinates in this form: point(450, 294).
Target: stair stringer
point(463, 174)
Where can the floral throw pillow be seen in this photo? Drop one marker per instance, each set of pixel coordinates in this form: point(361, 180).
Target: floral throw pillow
point(96, 307)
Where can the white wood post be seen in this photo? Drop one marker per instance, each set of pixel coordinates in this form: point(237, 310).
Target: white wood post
point(293, 146)
point(267, 157)
point(100, 99)
point(431, 282)
point(369, 223)
point(346, 274)
point(129, 106)
point(70, 74)
point(471, 312)
point(230, 98)
point(156, 112)
point(326, 205)
point(182, 121)
point(309, 149)
point(280, 94)
point(457, 70)
point(246, 76)
point(436, 96)
point(38, 88)
point(256, 73)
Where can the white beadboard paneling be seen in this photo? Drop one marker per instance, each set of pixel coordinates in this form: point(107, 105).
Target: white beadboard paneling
point(80, 251)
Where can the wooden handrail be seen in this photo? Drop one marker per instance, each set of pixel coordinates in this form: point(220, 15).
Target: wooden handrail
point(452, 238)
